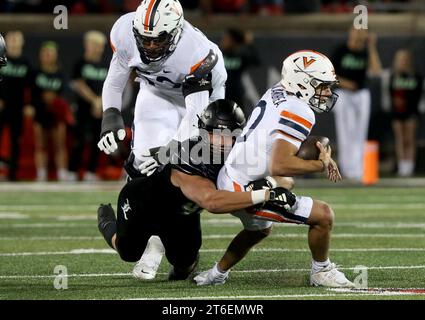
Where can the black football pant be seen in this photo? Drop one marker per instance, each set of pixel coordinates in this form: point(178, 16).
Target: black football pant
point(153, 206)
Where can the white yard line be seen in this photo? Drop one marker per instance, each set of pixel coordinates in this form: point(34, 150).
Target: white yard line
point(291, 296)
point(13, 215)
point(233, 271)
point(230, 236)
point(110, 251)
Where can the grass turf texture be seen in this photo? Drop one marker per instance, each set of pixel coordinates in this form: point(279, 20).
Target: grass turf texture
point(380, 228)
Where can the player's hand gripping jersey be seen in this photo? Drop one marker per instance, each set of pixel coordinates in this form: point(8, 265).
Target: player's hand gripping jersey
point(278, 115)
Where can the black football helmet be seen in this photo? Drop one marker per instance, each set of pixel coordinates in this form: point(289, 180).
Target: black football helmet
point(3, 59)
point(222, 114)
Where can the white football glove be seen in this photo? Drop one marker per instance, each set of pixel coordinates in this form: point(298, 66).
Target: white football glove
point(112, 128)
point(108, 144)
point(148, 167)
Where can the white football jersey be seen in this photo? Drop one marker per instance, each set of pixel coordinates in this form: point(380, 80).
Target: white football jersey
point(165, 75)
point(277, 116)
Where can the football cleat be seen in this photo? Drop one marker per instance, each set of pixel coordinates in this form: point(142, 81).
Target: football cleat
point(330, 277)
point(149, 263)
point(105, 217)
point(177, 273)
point(212, 276)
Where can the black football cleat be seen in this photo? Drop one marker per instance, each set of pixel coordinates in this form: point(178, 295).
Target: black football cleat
point(106, 222)
point(177, 273)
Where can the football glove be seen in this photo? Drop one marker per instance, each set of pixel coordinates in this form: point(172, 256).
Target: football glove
point(265, 183)
point(112, 130)
point(281, 199)
point(276, 209)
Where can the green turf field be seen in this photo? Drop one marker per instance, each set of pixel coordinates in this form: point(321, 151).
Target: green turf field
point(380, 228)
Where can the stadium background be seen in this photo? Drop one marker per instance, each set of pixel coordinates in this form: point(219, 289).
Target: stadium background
point(398, 24)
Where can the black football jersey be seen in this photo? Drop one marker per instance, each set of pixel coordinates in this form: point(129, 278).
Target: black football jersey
point(192, 158)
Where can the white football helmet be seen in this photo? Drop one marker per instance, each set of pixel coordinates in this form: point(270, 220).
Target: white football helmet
point(306, 72)
point(159, 21)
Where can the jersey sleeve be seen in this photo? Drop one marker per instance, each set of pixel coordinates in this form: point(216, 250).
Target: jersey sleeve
point(119, 70)
point(219, 74)
point(293, 124)
point(219, 77)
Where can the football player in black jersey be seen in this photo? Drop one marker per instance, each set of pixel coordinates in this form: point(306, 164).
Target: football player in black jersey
point(168, 202)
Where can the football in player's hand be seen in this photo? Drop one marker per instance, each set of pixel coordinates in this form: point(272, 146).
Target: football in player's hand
point(308, 149)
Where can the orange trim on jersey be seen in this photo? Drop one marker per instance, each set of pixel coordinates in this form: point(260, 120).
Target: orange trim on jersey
point(297, 118)
point(289, 135)
point(270, 215)
point(194, 67)
point(237, 187)
point(148, 14)
point(112, 46)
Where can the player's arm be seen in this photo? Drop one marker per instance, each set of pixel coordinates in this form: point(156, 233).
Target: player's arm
point(196, 89)
point(204, 193)
point(112, 123)
point(284, 162)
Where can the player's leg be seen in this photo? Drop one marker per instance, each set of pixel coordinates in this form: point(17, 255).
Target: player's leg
point(127, 233)
point(320, 220)
point(255, 230)
point(182, 238)
point(156, 119)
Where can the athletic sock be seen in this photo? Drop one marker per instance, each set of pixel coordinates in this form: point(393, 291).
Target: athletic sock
point(317, 266)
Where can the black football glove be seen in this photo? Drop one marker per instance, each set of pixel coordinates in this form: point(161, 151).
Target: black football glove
point(276, 209)
point(281, 199)
point(265, 183)
point(112, 130)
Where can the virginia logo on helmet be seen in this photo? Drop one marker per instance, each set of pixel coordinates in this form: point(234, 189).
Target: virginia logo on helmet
point(310, 76)
point(157, 28)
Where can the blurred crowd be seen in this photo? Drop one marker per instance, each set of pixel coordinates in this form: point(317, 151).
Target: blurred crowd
point(262, 7)
point(53, 119)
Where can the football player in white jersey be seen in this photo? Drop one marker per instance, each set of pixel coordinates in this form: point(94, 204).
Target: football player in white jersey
point(268, 146)
point(174, 63)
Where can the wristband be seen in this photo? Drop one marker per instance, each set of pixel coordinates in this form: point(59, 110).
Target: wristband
point(258, 196)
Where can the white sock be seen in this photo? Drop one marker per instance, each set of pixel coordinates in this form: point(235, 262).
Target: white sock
point(217, 270)
point(317, 266)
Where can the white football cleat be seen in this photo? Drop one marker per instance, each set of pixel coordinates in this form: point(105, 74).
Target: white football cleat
point(211, 276)
point(149, 263)
point(330, 277)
